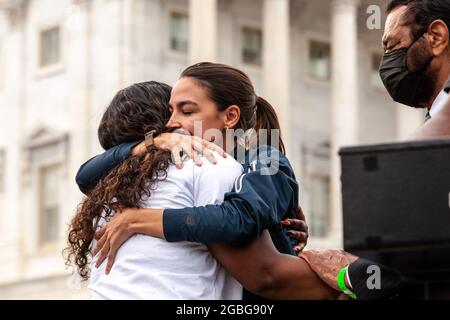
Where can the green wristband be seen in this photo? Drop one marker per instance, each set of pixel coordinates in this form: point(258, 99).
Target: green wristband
point(341, 283)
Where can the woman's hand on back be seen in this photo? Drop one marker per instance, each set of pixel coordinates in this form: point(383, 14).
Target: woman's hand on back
point(298, 230)
point(177, 143)
point(123, 226)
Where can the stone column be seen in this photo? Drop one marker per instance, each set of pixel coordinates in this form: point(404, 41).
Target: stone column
point(344, 105)
point(276, 59)
point(14, 95)
point(202, 30)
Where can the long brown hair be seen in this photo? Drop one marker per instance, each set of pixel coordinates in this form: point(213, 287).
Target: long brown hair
point(132, 112)
point(228, 86)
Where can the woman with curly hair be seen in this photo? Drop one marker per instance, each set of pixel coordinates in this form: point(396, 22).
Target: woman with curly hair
point(148, 267)
point(152, 268)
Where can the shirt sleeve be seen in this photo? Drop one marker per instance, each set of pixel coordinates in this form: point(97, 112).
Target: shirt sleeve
point(93, 170)
point(388, 284)
point(260, 199)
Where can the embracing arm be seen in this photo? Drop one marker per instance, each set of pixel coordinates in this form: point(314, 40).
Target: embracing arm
point(261, 269)
point(93, 170)
point(258, 266)
point(258, 201)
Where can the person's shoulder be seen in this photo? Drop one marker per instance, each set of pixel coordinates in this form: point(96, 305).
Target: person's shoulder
point(228, 164)
point(212, 181)
point(225, 167)
point(268, 154)
point(229, 161)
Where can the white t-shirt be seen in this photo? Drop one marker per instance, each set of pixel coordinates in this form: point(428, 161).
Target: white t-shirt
point(150, 268)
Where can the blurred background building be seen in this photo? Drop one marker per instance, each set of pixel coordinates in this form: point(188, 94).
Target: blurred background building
point(61, 61)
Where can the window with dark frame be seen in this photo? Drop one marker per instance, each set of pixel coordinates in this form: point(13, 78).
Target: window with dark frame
point(49, 187)
point(50, 47)
point(251, 46)
point(319, 60)
point(179, 32)
point(316, 166)
point(320, 205)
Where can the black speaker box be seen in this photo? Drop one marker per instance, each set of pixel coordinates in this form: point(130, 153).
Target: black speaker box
point(396, 206)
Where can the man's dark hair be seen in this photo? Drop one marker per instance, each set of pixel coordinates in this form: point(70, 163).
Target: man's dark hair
point(421, 13)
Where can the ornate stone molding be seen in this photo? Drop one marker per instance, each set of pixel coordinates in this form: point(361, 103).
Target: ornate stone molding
point(15, 11)
point(42, 147)
point(81, 3)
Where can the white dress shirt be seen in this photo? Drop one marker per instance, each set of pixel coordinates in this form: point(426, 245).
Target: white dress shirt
point(438, 103)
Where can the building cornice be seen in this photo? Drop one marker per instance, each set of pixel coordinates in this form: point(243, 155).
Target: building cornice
point(15, 11)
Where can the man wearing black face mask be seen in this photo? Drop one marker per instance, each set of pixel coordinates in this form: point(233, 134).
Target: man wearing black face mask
point(416, 64)
point(415, 70)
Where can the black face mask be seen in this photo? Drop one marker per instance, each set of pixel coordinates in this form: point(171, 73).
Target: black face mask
point(404, 86)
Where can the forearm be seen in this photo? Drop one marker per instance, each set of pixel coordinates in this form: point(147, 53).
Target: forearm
point(261, 202)
point(292, 278)
point(232, 222)
point(93, 170)
point(146, 221)
point(262, 270)
point(203, 225)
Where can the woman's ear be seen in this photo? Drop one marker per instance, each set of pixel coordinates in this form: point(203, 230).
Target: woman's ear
point(438, 37)
point(231, 116)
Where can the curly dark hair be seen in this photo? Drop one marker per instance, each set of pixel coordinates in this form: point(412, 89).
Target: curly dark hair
point(132, 112)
